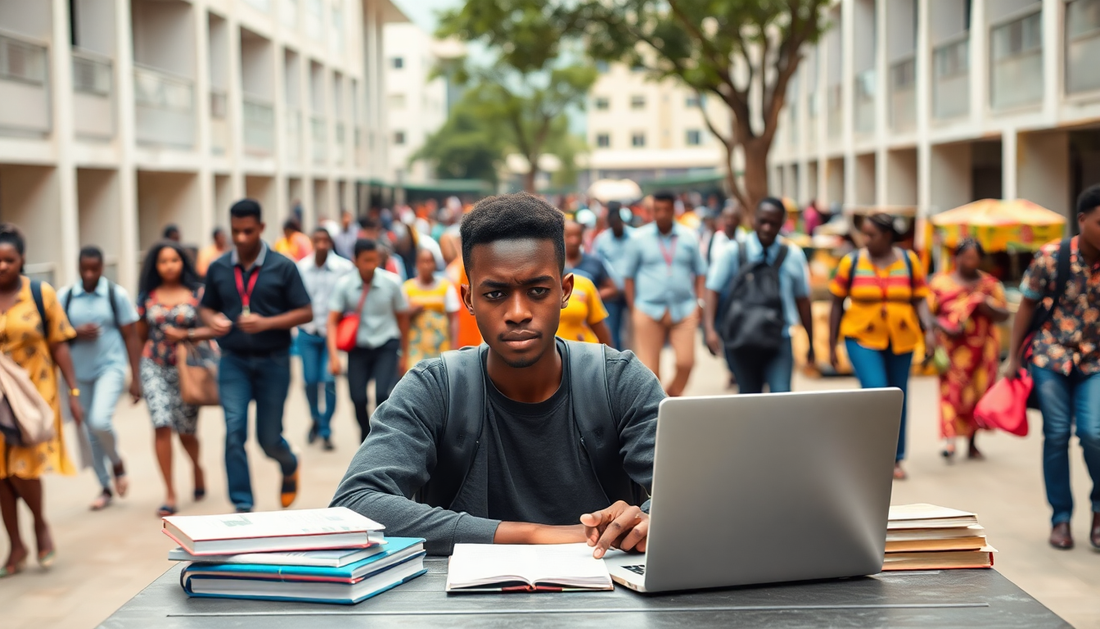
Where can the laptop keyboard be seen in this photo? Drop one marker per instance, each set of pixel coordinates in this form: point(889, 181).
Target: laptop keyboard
point(636, 569)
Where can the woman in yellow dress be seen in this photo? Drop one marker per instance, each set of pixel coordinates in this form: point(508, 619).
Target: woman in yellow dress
point(40, 348)
point(584, 317)
point(433, 327)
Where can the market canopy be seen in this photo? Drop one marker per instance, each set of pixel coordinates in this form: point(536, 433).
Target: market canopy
point(1017, 225)
point(622, 190)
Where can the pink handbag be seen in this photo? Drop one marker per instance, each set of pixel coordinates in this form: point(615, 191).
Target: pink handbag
point(1004, 405)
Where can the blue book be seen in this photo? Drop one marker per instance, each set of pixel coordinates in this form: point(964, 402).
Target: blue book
point(394, 551)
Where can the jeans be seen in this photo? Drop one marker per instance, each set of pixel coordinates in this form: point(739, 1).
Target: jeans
point(1062, 399)
point(241, 379)
point(366, 364)
point(317, 376)
point(615, 311)
point(878, 369)
point(98, 398)
point(753, 371)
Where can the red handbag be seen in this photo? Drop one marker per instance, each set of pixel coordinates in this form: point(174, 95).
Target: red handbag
point(1004, 405)
point(348, 329)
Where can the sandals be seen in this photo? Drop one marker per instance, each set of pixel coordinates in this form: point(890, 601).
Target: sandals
point(46, 559)
point(199, 494)
point(13, 569)
point(102, 501)
point(122, 483)
point(899, 473)
point(166, 510)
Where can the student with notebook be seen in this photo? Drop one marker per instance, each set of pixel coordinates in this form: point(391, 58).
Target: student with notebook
point(486, 444)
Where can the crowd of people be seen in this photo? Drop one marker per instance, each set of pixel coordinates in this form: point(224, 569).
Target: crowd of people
point(373, 297)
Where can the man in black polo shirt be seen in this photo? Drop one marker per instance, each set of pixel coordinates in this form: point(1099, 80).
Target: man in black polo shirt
point(253, 297)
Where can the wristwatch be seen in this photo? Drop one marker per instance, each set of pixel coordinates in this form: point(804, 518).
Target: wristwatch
point(74, 392)
point(191, 334)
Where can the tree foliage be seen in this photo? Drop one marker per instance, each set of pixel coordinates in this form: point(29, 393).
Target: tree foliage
point(466, 146)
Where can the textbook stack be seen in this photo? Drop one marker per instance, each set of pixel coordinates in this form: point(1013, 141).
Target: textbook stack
point(313, 555)
point(927, 537)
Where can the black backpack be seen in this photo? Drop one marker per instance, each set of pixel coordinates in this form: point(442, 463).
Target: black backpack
point(754, 320)
point(466, 407)
point(110, 298)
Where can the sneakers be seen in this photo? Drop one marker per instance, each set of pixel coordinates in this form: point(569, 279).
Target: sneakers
point(327, 446)
point(289, 491)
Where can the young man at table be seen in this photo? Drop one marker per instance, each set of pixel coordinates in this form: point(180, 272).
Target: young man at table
point(529, 478)
point(253, 297)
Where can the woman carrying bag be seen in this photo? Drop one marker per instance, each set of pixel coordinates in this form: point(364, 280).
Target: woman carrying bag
point(369, 319)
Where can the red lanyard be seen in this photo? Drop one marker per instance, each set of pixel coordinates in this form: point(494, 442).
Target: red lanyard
point(668, 252)
point(246, 295)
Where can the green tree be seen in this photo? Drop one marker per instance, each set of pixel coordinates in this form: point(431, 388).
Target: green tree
point(525, 94)
point(465, 147)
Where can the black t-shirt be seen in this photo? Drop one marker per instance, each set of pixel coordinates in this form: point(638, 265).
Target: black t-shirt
point(279, 289)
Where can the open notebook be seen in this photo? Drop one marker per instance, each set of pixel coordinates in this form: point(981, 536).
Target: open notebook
point(525, 568)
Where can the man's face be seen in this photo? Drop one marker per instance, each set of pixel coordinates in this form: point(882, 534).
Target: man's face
point(516, 294)
point(91, 269)
point(1090, 227)
point(246, 232)
point(574, 235)
point(768, 221)
point(345, 220)
point(366, 262)
point(322, 242)
point(219, 240)
point(664, 212)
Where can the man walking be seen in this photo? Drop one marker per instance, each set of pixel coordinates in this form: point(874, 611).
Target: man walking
point(106, 342)
point(349, 233)
point(664, 278)
point(737, 266)
point(320, 272)
point(253, 297)
point(610, 246)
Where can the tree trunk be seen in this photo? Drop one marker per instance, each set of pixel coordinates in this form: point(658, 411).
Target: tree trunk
point(529, 179)
point(756, 172)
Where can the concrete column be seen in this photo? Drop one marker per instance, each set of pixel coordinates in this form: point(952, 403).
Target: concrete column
point(847, 98)
point(1009, 168)
point(207, 218)
point(924, 99)
point(61, 70)
point(1053, 57)
point(235, 109)
point(1042, 170)
point(129, 254)
point(979, 61)
point(882, 99)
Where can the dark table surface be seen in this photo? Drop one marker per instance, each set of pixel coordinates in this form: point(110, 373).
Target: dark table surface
point(949, 598)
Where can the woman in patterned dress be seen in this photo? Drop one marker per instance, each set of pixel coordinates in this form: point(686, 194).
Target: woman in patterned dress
point(40, 348)
point(168, 311)
point(967, 304)
point(434, 303)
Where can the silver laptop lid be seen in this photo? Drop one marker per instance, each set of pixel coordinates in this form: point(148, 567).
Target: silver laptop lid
point(765, 488)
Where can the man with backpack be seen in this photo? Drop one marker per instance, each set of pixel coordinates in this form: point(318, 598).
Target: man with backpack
point(106, 342)
point(528, 439)
point(768, 285)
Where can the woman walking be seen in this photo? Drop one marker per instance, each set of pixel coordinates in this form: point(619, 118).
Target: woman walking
point(967, 304)
point(433, 311)
point(889, 309)
point(584, 318)
point(168, 310)
point(36, 343)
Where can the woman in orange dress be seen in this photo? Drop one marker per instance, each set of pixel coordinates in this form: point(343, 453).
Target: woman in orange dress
point(967, 304)
point(39, 347)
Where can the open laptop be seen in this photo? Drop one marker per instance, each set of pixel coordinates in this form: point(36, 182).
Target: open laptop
point(754, 489)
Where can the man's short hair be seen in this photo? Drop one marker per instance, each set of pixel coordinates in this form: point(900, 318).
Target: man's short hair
point(245, 208)
point(91, 252)
point(519, 216)
point(218, 231)
point(773, 202)
point(364, 244)
point(664, 195)
point(1089, 200)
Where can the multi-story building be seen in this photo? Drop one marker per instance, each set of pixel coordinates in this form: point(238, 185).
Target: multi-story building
point(936, 103)
point(642, 129)
point(118, 117)
point(416, 103)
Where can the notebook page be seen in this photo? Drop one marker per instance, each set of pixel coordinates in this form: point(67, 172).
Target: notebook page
point(475, 565)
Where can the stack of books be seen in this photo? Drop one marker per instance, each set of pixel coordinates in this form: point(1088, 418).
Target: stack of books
point(316, 555)
point(927, 537)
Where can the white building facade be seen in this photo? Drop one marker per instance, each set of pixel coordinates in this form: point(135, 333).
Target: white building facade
point(416, 104)
point(641, 129)
point(121, 116)
point(936, 103)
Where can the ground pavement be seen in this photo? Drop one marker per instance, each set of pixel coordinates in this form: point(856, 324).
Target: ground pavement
point(105, 558)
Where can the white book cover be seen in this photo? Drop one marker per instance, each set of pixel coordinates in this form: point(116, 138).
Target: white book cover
point(336, 558)
point(271, 531)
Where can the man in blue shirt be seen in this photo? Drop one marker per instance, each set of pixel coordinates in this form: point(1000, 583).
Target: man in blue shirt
point(664, 277)
point(610, 246)
point(753, 371)
point(106, 343)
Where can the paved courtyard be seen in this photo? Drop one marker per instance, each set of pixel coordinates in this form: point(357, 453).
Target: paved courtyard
point(105, 558)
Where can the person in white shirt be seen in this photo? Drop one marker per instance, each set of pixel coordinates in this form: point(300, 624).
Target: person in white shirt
point(320, 272)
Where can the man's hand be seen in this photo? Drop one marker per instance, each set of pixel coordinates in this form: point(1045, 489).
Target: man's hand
point(929, 343)
point(221, 325)
point(252, 323)
point(135, 390)
point(1012, 368)
point(619, 526)
point(76, 409)
point(334, 366)
point(714, 342)
point(402, 366)
point(87, 332)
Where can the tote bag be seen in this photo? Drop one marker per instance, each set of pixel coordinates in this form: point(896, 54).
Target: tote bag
point(197, 364)
point(26, 419)
point(348, 329)
point(1004, 405)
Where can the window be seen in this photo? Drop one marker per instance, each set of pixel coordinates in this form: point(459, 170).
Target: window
point(603, 140)
point(691, 102)
point(399, 138)
point(694, 137)
point(637, 102)
point(637, 140)
point(398, 63)
point(602, 103)
point(397, 102)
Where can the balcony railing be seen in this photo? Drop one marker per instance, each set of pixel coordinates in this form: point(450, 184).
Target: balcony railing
point(1016, 63)
point(339, 148)
point(1082, 46)
point(93, 111)
point(951, 79)
point(294, 135)
point(259, 126)
point(863, 96)
point(319, 137)
point(903, 95)
point(834, 120)
point(164, 108)
point(219, 122)
point(24, 89)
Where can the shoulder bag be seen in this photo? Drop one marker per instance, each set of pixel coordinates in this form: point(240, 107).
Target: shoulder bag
point(348, 329)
